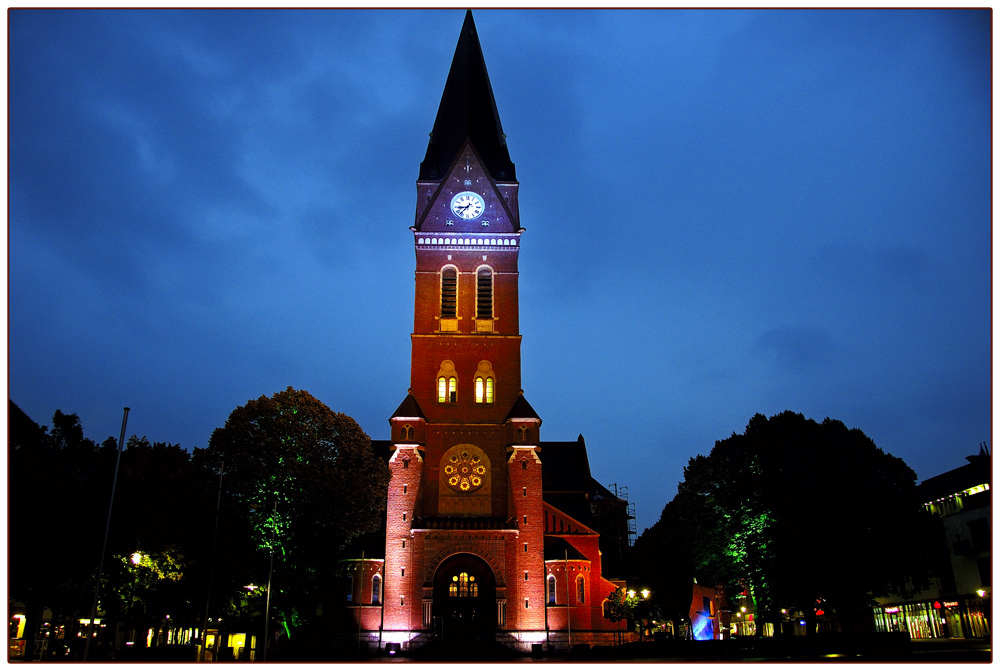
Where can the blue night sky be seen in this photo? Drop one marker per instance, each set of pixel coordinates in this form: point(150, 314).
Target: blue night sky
point(727, 212)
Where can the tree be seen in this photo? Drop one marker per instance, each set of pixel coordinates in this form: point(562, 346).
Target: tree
point(798, 512)
point(59, 486)
point(679, 548)
point(307, 481)
point(162, 513)
point(620, 607)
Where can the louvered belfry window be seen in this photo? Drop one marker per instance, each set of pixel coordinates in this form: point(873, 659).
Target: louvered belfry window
point(484, 294)
point(449, 292)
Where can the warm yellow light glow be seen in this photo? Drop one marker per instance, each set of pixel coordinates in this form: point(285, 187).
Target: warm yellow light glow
point(489, 390)
point(250, 588)
point(981, 592)
point(631, 594)
point(237, 640)
point(136, 557)
point(479, 390)
point(645, 594)
point(20, 620)
point(442, 390)
point(743, 609)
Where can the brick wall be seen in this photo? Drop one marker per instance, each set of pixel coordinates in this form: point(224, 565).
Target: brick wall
point(405, 466)
point(524, 471)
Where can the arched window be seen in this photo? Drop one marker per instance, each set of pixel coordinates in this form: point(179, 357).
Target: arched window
point(484, 390)
point(406, 432)
point(552, 588)
point(377, 589)
point(484, 294)
point(581, 590)
point(484, 383)
point(463, 585)
point(447, 383)
point(449, 293)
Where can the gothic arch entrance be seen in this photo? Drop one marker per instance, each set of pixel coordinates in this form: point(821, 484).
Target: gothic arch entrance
point(465, 598)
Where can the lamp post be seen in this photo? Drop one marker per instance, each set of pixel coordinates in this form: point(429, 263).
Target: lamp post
point(645, 597)
point(630, 608)
point(270, 575)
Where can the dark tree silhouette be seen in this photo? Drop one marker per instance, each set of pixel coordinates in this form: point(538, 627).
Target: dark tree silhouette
point(794, 511)
point(163, 515)
point(59, 487)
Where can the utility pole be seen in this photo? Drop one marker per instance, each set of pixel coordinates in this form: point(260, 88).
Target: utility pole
point(104, 547)
point(211, 564)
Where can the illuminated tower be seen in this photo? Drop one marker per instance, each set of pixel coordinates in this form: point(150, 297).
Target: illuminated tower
point(464, 527)
point(479, 546)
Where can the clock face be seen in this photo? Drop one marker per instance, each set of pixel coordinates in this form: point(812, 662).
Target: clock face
point(467, 205)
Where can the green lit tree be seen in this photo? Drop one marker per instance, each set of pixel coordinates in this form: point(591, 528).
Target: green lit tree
point(792, 512)
point(307, 483)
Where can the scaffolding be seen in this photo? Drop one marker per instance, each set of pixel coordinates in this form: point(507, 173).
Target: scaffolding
point(622, 494)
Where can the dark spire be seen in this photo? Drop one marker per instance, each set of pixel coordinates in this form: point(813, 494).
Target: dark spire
point(522, 410)
point(467, 110)
point(409, 407)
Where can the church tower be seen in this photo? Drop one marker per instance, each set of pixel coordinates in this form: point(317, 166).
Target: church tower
point(478, 546)
point(465, 510)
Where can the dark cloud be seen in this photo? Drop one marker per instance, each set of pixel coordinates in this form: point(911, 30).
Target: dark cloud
point(802, 350)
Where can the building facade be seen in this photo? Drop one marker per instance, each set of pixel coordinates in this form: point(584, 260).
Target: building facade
point(957, 603)
point(490, 533)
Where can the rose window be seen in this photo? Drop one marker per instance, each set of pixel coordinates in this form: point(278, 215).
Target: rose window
point(465, 471)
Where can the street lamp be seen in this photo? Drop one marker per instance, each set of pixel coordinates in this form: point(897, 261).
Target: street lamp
point(642, 621)
point(136, 558)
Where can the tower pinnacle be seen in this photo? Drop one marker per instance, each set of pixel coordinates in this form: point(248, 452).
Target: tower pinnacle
point(467, 110)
